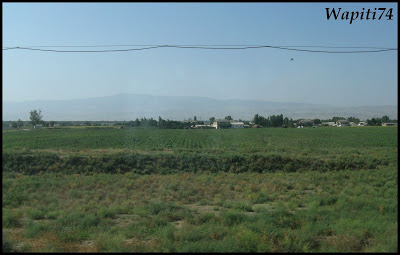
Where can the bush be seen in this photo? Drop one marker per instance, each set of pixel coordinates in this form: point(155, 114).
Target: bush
point(11, 218)
point(232, 218)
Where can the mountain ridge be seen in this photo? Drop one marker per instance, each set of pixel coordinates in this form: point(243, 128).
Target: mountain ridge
point(126, 106)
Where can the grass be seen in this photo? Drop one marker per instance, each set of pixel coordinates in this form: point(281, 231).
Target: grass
point(319, 190)
point(148, 213)
point(318, 141)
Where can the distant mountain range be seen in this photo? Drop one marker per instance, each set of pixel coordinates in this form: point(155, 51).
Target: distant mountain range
point(130, 106)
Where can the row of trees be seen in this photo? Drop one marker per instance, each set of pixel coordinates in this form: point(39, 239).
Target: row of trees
point(379, 121)
point(143, 122)
point(370, 122)
point(173, 124)
point(334, 119)
point(212, 119)
point(273, 121)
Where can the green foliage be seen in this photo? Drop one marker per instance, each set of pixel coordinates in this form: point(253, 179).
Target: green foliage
point(33, 229)
point(335, 215)
point(7, 245)
point(11, 218)
point(242, 206)
point(272, 121)
point(35, 116)
point(37, 214)
point(250, 190)
point(379, 121)
point(229, 218)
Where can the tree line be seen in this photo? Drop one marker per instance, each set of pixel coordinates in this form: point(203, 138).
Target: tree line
point(273, 121)
point(36, 117)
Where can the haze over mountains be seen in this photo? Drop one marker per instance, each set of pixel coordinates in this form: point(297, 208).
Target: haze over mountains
point(130, 106)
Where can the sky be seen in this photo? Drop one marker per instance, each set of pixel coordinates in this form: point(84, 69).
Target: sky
point(255, 74)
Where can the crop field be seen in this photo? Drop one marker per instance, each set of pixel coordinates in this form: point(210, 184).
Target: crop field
point(158, 190)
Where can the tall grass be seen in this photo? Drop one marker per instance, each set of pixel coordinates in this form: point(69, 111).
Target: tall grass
point(127, 212)
point(138, 190)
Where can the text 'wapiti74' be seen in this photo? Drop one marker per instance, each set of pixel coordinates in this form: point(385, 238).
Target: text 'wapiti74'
point(368, 15)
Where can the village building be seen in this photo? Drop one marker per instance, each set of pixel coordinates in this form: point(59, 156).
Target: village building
point(328, 123)
point(342, 123)
point(237, 125)
point(305, 123)
point(389, 124)
point(221, 123)
point(203, 126)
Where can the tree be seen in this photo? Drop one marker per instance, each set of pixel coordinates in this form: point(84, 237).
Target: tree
point(385, 119)
point(317, 121)
point(256, 119)
point(20, 123)
point(228, 117)
point(137, 122)
point(36, 117)
point(161, 122)
point(291, 124)
point(353, 119)
point(212, 119)
point(52, 123)
point(195, 118)
point(285, 122)
point(14, 124)
point(335, 119)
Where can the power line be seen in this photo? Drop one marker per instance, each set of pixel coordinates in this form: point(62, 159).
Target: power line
point(37, 49)
point(219, 47)
point(193, 45)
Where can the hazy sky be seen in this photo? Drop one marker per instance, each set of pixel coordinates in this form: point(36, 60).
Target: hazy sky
point(262, 74)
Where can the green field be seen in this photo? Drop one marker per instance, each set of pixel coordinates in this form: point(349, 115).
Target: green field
point(155, 190)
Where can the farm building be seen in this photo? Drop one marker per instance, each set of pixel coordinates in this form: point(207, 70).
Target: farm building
point(203, 126)
point(237, 125)
point(389, 124)
point(56, 125)
point(305, 123)
point(38, 126)
point(329, 123)
point(221, 123)
point(342, 123)
point(362, 123)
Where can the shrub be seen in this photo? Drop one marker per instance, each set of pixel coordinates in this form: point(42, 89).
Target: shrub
point(232, 218)
point(11, 218)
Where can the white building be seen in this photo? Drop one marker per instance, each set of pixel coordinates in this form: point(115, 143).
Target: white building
point(329, 123)
point(389, 124)
point(343, 123)
point(237, 125)
point(221, 123)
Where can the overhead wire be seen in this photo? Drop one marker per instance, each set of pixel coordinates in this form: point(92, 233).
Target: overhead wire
point(206, 47)
point(195, 45)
